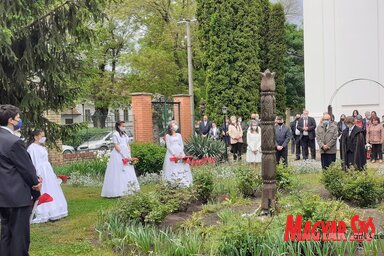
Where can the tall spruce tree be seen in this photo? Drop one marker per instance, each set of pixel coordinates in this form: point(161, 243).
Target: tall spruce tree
point(229, 38)
point(276, 54)
point(41, 66)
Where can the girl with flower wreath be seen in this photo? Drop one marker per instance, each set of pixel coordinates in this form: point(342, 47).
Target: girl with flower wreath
point(175, 172)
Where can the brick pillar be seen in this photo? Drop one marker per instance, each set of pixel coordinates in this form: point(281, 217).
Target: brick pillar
point(142, 116)
point(55, 156)
point(185, 116)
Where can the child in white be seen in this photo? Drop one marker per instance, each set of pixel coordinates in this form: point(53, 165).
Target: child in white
point(177, 173)
point(56, 209)
point(120, 179)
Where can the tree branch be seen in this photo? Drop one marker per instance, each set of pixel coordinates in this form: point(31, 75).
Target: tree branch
point(47, 14)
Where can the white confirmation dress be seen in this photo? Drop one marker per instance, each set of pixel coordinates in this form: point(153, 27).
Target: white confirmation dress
point(120, 179)
point(177, 173)
point(56, 209)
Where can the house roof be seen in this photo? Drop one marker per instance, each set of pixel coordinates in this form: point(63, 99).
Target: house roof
point(70, 112)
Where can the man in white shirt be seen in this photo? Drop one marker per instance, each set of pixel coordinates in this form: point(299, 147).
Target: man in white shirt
point(296, 137)
point(307, 126)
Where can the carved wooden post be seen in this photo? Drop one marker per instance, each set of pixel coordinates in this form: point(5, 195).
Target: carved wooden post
point(268, 115)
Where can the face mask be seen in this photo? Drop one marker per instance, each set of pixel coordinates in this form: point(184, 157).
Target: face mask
point(18, 125)
point(240, 120)
point(326, 122)
point(342, 119)
point(280, 124)
point(254, 127)
point(43, 140)
point(122, 129)
point(175, 127)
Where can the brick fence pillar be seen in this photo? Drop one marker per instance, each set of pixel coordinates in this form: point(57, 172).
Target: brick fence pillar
point(55, 156)
point(185, 116)
point(142, 116)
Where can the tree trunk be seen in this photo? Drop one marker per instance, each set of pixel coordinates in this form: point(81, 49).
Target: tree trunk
point(99, 117)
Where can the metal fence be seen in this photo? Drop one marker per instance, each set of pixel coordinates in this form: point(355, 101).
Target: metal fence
point(162, 113)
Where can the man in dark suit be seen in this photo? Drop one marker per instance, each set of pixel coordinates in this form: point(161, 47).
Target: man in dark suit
point(296, 137)
point(283, 135)
point(17, 179)
point(204, 126)
point(307, 127)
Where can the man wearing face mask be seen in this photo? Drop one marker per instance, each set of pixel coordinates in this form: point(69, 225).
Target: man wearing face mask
point(17, 179)
point(353, 143)
point(327, 134)
point(283, 135)
point(307, 127)
point(296, 137)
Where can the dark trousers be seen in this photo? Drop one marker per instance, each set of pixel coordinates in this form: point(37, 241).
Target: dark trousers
point(237, 150)
point(297, 141)
point(341, 150)
point(15, 232)
point(350, 159)
point(282, 154)
point(377, 151)
point(327, 160)
point(293, 145)
point(306, 142)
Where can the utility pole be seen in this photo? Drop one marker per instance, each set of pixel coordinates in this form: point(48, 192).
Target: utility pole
point(190, 68)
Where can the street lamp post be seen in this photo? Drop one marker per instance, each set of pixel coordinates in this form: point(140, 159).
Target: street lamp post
point(224, 111)
point(190, 67)
point(82, 104)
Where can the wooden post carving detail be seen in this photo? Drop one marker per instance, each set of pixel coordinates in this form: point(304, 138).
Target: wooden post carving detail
point(268, 115)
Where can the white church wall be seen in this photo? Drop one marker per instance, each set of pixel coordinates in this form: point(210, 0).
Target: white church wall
point(343, 40)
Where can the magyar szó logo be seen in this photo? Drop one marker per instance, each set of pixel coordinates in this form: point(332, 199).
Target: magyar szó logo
point(329, 231)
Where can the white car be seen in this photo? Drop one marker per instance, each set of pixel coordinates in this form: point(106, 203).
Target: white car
point(68, 149)
point(102, 141)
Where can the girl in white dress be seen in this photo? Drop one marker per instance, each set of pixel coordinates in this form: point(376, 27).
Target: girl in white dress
point(254, 143)
point(120, 179)
point(177, 173)
point(56, 209)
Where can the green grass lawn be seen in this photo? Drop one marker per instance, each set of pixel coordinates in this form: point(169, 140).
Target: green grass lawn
point(74, 235)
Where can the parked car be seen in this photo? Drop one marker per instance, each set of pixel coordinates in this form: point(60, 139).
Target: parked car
point(68, 149)
point(102, 141)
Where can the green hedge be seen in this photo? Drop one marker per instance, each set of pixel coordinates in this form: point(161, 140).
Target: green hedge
point(151, 161)
point(95, 167)
point(152, 207)
point(360, 187)
point(151, 157)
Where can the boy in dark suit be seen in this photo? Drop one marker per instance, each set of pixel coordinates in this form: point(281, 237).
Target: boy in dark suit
point(17, 179)
point(283, 135)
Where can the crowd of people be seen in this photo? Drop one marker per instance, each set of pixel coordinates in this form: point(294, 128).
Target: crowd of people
point(356, 136)
point(25, 172)
point(242, 137)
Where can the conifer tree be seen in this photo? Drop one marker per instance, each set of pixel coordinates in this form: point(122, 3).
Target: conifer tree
point(276, 54)
point(229, 38)
point(263, 33)
point(40, 61)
